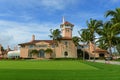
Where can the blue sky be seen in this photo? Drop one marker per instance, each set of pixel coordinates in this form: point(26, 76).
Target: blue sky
point(20, 19)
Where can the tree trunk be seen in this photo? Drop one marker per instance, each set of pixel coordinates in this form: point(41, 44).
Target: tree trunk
point(84, 53)
point(89, 50)
point(94, 50)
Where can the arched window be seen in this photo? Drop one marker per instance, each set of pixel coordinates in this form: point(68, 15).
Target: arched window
point(65, 53)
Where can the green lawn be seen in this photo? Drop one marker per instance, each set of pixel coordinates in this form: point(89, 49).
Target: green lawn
point(57, 70)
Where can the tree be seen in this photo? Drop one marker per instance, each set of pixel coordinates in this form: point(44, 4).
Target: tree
point(102, 44)
point(48, 50)
point(115, 17)
point(84, 37)
point(76, 40)
point(93, 26)
point(109, 35)
point(56, 37)
point(34, 52)
point(115, 14)
point(118, 48)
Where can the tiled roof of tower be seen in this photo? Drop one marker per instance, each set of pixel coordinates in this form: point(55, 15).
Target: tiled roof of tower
point(67, 23)
point(36, 41)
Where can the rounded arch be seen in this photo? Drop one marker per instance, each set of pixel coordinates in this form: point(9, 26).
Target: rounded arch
point(65, 53)
point(41, 53)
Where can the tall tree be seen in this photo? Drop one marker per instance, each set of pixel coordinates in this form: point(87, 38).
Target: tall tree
point(93, 26)
point(115, 14)
point(56, 37)
point(118, 48)
point(84, 38)
point(76, 40)
point(115, 17)
point(109, 35)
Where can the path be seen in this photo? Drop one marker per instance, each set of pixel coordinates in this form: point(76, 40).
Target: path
point(107, 62)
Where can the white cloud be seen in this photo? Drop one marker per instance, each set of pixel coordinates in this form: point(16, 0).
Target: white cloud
point(13, 33)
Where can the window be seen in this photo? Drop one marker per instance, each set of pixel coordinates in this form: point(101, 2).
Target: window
point(53, 46)
point(31, 46)
point(67, 30)
point(42, 45)
point(65, 53)
point(66, 43)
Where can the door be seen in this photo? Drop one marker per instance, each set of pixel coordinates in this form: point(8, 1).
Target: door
point(42, 54)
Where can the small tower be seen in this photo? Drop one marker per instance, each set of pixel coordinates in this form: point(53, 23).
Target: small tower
point(66, 28)
point(8, 48)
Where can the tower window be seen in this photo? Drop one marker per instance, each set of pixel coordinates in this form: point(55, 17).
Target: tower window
point(67, 30)
point(66, 43)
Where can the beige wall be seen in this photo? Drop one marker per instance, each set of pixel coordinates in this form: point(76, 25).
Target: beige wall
point(67, 32)
point(59, 50)
point(92, 48)
point(69, 48)
point(24, 52)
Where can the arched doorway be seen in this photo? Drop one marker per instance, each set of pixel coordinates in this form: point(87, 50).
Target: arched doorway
point(41, 53)
point(101, 55)
point(65, 53)
point(86, 55)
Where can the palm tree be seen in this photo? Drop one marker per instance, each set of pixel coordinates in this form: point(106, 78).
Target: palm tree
point(118, 48)
point(109, 35)
point(76, 40)
point(56, 37)
point(102, 44)
point(115, 14)
point(84, 37)
point(115, 20)
point(93, 26)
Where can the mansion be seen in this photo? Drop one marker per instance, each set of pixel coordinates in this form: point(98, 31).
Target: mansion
point(64, 49)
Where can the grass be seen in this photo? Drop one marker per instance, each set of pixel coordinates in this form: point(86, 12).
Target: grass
point(57, 70)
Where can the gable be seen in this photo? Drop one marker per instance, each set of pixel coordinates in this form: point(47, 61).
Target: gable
point(42, 43)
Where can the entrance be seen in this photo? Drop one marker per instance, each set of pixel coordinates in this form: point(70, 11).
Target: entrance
point(41, 54)
point(65, 53)
point(102, 55)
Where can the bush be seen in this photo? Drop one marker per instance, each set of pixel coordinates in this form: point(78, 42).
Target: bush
point(65, 59)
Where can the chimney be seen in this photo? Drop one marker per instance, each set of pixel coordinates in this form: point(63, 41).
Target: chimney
point(33, 37)
point(8, 48)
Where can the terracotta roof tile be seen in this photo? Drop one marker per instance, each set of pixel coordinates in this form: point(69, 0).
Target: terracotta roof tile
point(67, 23)
point(36, 41)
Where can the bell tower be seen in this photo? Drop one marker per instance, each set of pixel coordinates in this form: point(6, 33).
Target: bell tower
point(66, 28)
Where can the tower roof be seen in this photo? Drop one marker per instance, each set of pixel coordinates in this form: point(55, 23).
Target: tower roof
point(66, 23)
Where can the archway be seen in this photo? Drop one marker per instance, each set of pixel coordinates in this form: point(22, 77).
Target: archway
point(65, 53)
point(101, 55)
point(41, 53)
